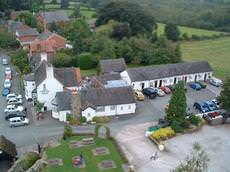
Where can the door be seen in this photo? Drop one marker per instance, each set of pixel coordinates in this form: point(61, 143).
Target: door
point(160, 83)
point(142, 86)
point(175, 80)
point(156, 83)
point(205, 76)
point(185, 79)
point(195, 78)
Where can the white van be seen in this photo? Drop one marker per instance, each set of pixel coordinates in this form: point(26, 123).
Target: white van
point(215, 82)
point(18, 121)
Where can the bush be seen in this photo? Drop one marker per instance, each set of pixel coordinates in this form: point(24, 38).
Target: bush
point(163, 134)
point(68, 132)
point(83, 119)
point(102, 119)
point(62, 59)
point(186, 124)
point(86, 61)
point(195, 120)
point(176, 126)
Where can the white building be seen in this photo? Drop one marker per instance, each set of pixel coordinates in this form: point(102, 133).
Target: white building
point(169, 74)
point(48, 81)
point(107, 102)
point(61, 106)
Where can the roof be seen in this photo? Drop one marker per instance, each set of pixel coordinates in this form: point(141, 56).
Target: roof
point(168, 70)
point(29, 77)
point(14, 25)
point(27, 32)
point(112, 65)
point(108, 77)
point(67, 76)
point(106, 96)
point(7, 146)
point(44, 35)
point(55, 16)
point(40, 73)
point(63, 101)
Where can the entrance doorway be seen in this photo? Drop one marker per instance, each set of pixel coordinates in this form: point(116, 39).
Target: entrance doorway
point(185, 79)
point(160, 83)
point(142, 86)
point(156, 83)
point(174, 81)
point(205, 76)
point(195, 78)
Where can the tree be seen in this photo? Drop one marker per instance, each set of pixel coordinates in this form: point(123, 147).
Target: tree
point(28, 18)
point(62, 59)
point(86, 61)
point(53, 27)
point(77, 11)
point(224, 98)
point(121, 30)
point(139, 19)
point(54, 2)
point(176, 111)
point(172, 32)
point(64, 4)
point(7, 39)
point(197, 162)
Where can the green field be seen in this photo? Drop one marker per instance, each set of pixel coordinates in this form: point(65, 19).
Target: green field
point(190, 31)
point(88, 13)
point(65, 153)
point(215, 51)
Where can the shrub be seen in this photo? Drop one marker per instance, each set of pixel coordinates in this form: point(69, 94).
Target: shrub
point(68, 132)
point(86, 61)
point(176, 126)
point(163, 134)
point(186, 124)
point(195, 120)
point(102, 119)
point(83, 119)
point(62, 59)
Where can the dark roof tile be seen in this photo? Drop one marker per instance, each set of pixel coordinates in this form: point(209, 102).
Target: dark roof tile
point(112, 65)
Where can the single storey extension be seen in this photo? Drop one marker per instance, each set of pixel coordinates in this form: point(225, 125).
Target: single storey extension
point(168, 74)
point(107, 102)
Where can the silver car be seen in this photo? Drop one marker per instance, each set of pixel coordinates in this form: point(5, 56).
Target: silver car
point(18, 121)
point(4, 61)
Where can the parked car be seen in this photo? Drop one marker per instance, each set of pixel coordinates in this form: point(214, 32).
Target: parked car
point(4, 61)
point(211, 106)
point(201, 107)
point(15, 114)
point(215, 82)
point(13, 108)
point(216, 103)
point(18, 121)
point(202, 85)
point(139, 96)
point(7, 83)
point(5, 91)
point(150, 92)
point(166, 89)
point(160, 93)
point(7, 71)
point(8, 76)
point(195, 86)
point(14, 101)
point(214, 114)
point(13, 95)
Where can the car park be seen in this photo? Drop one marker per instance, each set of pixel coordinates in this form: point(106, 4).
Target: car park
point(7, 83)
point(15, 114)
point(18, 121)
point(4, 61)
point(195, 86)
point(160, 93)
point(150, 92)
point(166, 89)
point(14, 101)
point(5, 92)
point(139, 95)
point(7, 71)
point(211, 106)
point(215, 82)
point(13, 108)
point(202, 85)
point(13, 95)
point(201, 107)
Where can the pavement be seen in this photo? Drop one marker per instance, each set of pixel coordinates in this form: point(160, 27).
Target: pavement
point(215, 140)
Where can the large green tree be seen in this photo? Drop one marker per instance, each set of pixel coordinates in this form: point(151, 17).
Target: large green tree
point(176, 111)
point(64, 4)
point(172, 32)
point(139, 19)
point(224, 98)
point(7, 39)
point(28, 18)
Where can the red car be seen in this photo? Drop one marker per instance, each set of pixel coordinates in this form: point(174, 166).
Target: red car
point(8, 76)
point(165, 89)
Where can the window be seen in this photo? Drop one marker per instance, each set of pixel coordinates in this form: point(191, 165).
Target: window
point(129, 106)
point(112, 107)
point(100, 109)
point(44, 86)
point(151, 84)
point(38, 47)
point(88, 115)
point(33, 84)
point(121, 107)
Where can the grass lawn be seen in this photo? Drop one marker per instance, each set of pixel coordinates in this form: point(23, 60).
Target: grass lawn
point(65, 153)
point(215, 51)
point(190, 31)
point(89, 72)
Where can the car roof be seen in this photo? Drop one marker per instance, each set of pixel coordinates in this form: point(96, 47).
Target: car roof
point(15, 118)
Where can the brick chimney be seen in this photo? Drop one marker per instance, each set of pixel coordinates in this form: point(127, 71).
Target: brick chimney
point(78, 75)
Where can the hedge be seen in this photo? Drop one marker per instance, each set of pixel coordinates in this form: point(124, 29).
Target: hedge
point(163, 134)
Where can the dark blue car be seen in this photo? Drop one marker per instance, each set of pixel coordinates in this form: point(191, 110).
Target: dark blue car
point(195, 86)
point(201, 107)
point(5, 92)
point(211, 106)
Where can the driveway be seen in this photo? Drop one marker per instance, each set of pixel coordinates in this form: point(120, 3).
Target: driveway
point(214, 140)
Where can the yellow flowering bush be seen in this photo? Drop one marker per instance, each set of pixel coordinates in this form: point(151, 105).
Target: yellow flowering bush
point(163, 134)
